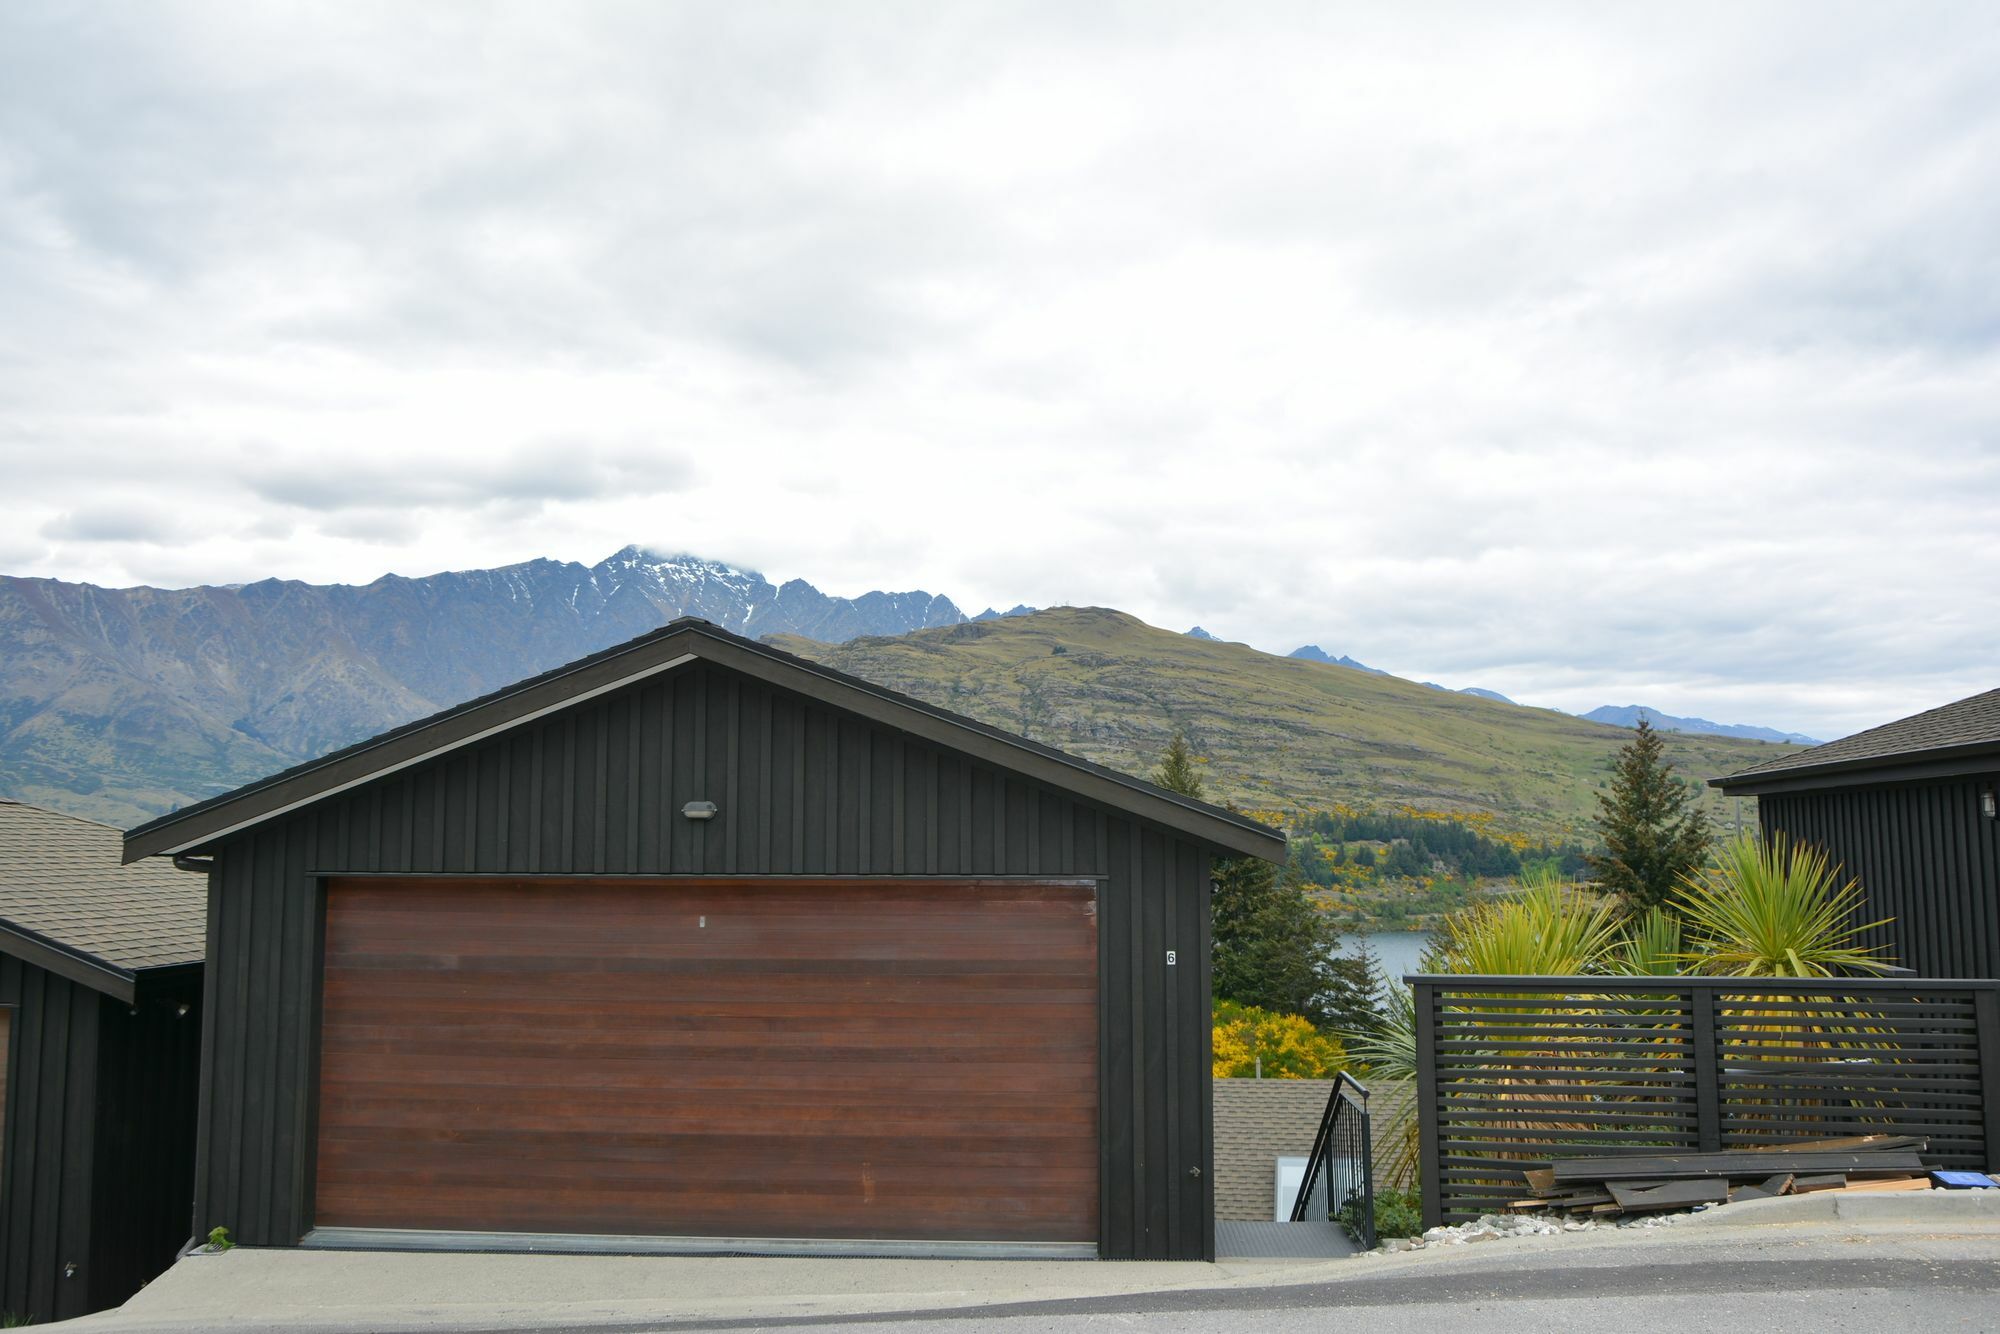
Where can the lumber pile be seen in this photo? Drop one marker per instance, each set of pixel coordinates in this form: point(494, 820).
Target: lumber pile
point(1647, 1183)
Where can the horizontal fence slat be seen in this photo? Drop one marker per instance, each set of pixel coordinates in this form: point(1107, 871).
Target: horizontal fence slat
point(1469, 1116)
point(1888, 1010)
point(1563, 1033)
point(1495, 1061)
point(1649, 1013)
point(1663, 1088)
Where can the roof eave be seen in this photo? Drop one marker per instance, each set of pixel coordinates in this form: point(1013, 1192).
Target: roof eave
point(1906, 767)
point(68, 962)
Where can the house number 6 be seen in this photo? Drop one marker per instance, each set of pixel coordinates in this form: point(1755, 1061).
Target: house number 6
point(1170, 958)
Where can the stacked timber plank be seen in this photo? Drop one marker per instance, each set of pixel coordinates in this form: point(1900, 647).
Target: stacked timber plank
point(1647, 1183)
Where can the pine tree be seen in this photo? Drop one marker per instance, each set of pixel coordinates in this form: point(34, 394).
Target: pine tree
point(1176, 772)
point(1653, 832)
point(1275, 950)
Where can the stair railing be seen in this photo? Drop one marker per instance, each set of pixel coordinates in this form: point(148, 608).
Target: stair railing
point(1340, 1172)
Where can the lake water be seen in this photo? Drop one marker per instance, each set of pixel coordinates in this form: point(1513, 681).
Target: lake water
point(1397, 950)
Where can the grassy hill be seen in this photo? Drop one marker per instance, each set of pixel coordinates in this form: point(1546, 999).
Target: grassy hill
point(1274, 734)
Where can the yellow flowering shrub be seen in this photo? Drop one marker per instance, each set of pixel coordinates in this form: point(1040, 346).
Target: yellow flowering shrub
point(1291, 1047)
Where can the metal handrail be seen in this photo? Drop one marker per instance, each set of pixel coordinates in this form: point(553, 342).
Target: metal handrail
point(1329, 1187)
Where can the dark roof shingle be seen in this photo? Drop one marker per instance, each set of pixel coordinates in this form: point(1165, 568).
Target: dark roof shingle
point(62, 879)
point(1967, 724)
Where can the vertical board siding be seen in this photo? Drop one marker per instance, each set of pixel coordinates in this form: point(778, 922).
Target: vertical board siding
point(801, 790)
point(1925, 857)
point(148, 1057)
point(46, 1164)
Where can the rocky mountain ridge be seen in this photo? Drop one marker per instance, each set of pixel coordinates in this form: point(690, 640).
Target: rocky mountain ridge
point(119, 703)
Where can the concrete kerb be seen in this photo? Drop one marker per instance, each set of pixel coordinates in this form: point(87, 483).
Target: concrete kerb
point(1917, 1208)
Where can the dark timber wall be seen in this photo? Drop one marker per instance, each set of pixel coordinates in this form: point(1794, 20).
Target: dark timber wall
point(97, 1164)
point(148, 1063)
point(803, 790)
point(1926, 857)
point(45, 1169)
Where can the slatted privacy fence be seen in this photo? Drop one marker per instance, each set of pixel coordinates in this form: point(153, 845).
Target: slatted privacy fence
point(1515, 1072)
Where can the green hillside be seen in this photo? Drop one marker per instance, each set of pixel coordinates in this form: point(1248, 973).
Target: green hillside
point(1275, 734)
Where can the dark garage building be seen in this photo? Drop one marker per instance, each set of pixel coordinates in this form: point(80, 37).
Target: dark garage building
point(1912, 810)
point(694, 942)
point(100, 988)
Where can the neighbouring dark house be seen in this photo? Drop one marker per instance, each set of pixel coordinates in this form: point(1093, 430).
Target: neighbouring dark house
point(1912, 810)
point(100, 999)
point(694, 944)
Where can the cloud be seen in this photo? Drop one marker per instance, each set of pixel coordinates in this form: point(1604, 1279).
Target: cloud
point(128, 522)
point(550, 472)
point(1634, 355)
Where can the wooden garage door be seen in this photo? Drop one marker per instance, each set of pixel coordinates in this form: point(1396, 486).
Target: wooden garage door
point(769, 1059)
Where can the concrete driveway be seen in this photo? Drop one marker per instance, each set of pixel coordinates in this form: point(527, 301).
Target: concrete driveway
point(1900, 1266)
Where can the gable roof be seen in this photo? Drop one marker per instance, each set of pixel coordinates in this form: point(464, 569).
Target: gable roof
point(69, 904)
point(1961, 737)
point(674, 645)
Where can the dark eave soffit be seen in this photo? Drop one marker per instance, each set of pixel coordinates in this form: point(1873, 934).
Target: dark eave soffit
point(207, 823)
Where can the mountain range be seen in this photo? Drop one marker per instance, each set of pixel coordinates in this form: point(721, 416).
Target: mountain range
point(118, 704)
point(1628, 715)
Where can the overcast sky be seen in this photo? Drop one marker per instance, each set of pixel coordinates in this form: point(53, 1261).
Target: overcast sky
point(1648, 356)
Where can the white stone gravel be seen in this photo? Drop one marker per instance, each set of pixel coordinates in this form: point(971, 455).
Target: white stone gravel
point(1492, 1227)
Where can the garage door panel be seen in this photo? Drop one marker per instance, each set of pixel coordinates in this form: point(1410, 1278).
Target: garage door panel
point(612, 1112)
point(454, 1085)
point(423, 1061)
point(824, 1047)
point(729, 1215)
point(837, 1059)
point(440, 1147)
point(610, 1201)
point(422, 1065)
point(1028, 1024)
point(702, 1174)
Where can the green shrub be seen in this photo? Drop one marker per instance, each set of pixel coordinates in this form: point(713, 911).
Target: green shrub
point(1398, 1213)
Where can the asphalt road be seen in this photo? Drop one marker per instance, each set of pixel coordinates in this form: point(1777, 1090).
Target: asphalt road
point(1703, 1285)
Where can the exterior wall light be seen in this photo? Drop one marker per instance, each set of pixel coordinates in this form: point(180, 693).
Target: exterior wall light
point(699, 810)
point(1988, 806)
